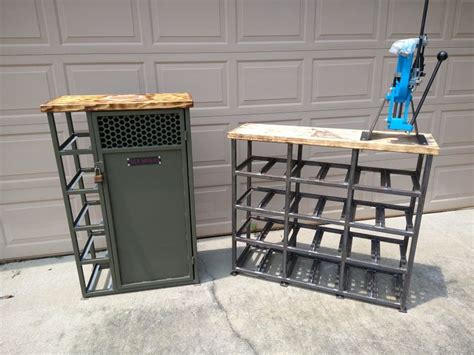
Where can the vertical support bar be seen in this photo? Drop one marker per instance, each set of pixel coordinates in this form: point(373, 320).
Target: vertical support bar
point(77, 167)
point(98, 159)
point(297, 186)
point(249, 184)
point(67, 201)
point(233, 158)
point(419, 165)
point(187, 121)
point(416, 230)
point(289, 158)
point(348, 216)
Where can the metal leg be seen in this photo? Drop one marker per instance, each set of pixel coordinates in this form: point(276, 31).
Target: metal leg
point(67, 201)
point(419, 165)
point(348, 216)
point(289, 158)
point(416, 230)
point(233, 149)
point(297, 185)
point(368, 135)
point(249, 184)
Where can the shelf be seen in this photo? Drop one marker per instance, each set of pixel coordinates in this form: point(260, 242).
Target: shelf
point(263, 173)
point(311, 267)
point(80, 216)
point(318, 274)
point(67, 147)
point(385, 181)
point(315, 250)
point(320, 203)
point(321, 176)
point(85, 256)
point(365, 284)
point(94, 286)
point(269, 195)
point(78, 179)
point(379, 225)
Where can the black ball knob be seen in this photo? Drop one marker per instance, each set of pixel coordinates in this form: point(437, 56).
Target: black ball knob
point(442, 56)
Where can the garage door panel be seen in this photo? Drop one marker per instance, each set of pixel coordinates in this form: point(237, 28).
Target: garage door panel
point(24, 88)
point(210, 144)
point(212, 212)
point(270, 20)
point(206, 81)
point(24, 223)
point(111, 78)
point(464, 20)
point(292, 62)
point(269, 82)
point(460, 77)
point(205, 21)
point(404, 18)
point(452, 182)
point(31, 15)
point(206, 176)
point(457, 128)
point(343, 20)
point(343, 79)
point(25, 154)
point(90, 21)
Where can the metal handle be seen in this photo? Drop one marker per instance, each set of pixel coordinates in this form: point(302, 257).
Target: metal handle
point(442, 56)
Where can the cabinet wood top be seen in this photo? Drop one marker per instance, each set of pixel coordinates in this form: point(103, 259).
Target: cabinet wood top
point(71, 103)
point(333, 137)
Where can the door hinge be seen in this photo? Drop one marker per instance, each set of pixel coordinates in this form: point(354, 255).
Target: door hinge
point(193, 260)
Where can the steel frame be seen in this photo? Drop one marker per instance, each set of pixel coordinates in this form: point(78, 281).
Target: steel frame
point(81, 222)
point(292, 221)
point(87, 254)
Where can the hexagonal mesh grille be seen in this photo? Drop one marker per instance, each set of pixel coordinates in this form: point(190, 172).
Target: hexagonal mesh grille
point(144, 130)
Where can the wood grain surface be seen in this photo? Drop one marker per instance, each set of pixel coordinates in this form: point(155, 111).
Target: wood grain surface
point(333, 137)
point(70, 103)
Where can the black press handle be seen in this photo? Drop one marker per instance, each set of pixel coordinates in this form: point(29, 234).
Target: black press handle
point(442, 56)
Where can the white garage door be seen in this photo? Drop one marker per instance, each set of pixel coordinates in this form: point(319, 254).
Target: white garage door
point(299, 62)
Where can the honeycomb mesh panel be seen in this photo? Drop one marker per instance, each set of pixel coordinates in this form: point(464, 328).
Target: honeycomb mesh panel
point(141, 130)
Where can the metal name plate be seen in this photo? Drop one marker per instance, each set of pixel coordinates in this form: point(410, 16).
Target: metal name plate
point(144, 161)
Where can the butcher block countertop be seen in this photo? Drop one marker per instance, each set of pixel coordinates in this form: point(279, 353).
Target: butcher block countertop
point(333, 137)
point(71, 103)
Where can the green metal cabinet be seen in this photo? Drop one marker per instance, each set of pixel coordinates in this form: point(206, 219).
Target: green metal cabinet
point(143, 163)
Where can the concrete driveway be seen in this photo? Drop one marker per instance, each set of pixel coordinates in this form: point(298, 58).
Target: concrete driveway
point(41, 309)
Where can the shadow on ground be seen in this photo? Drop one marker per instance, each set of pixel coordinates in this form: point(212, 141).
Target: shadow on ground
point(427, 282)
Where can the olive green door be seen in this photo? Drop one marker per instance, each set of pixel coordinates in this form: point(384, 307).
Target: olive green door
point(147, 196)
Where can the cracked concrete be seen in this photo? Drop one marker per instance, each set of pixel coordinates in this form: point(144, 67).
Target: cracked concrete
point(212, 290)
point(242, 315)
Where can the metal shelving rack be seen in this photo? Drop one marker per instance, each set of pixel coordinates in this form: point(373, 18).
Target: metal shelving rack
point(117, 177)
point(86, 254)
point(341, 263)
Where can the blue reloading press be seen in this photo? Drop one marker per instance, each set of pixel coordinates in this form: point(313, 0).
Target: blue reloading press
point(408, 75)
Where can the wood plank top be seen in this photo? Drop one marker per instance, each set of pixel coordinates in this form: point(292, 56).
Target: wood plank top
point(334, 137)
point(70, 103)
